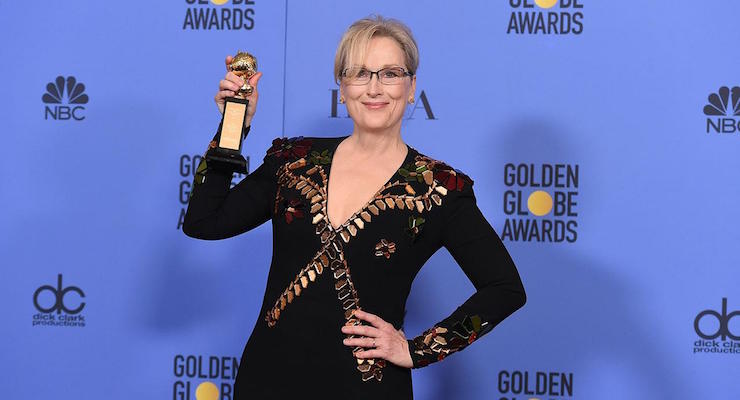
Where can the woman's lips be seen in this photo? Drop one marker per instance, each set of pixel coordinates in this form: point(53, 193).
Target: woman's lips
point(375, 105)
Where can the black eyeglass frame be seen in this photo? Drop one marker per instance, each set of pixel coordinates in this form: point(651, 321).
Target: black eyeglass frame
point(405, 73)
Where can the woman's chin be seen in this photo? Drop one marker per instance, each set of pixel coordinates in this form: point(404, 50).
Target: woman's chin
point(376, 125)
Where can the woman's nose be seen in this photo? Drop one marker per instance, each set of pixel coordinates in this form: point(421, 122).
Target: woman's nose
point(374, 87)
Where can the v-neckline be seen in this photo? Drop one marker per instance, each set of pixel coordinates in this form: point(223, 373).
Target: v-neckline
point(354, 215)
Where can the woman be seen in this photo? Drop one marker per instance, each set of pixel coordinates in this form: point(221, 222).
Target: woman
point(342, 265)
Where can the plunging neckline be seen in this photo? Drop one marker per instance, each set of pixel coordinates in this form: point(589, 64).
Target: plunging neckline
point(354, 215)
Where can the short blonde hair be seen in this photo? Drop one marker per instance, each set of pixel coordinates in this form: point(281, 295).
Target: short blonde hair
point(355, 40)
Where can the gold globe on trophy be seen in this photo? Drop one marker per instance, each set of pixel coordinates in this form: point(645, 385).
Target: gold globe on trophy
point(244, 65)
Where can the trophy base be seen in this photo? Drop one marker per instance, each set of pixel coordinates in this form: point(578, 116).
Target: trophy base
point(227, 153)
point(227, 160)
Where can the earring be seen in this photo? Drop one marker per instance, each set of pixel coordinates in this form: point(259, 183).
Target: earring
point(411, 100)
point(341, 99)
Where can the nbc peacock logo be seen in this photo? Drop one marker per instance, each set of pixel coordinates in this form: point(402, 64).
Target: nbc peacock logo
point(206, 15)
point(64, 99)
point(545, 17)
point(723, 110)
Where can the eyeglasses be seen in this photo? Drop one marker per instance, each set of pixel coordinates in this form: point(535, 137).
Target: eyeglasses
point(386, 76)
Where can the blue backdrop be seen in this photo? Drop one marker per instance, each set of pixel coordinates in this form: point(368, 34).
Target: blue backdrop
point(603, 138)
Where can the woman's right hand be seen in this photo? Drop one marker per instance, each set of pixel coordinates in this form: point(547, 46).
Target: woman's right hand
point(231, 84)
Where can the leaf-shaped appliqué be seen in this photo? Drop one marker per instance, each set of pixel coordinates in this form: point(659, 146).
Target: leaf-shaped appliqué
point(290, 148)
point(385, 248)
point(414, 227)
point(322, 158)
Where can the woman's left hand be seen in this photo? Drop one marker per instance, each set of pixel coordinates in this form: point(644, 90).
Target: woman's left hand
point(390, 344)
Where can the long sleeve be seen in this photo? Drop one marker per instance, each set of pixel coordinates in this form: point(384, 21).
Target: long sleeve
point(216, 211)
point(476, 247)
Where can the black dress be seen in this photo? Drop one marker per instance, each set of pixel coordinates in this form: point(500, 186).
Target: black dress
point(319, 275)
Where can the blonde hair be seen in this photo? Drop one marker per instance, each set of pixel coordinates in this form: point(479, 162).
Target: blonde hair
point(355, 40)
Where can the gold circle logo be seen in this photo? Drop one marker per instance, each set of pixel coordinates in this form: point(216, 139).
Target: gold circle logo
point(546, 3)
point(206, 391)
point(222, 2)
point(539, 203)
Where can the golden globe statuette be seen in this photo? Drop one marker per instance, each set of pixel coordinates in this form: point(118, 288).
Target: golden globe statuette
point(231, 133)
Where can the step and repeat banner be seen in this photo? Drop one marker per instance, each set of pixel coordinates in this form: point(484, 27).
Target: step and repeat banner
point(603, 136)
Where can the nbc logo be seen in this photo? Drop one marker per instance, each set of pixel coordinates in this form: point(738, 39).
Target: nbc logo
point(720, 110)
point(61, 91)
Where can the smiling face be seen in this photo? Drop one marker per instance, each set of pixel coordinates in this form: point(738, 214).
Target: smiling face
point(375, 107)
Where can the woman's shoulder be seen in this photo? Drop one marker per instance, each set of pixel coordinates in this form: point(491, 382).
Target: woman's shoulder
point(429, 170)
point(297, 147)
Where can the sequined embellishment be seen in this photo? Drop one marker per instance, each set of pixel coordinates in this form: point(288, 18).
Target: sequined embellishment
point(427, 170)
point(200, 173)
point(322, 158)
point(438, 342)
point(308, 177)
point(414, 228)
point(291, 148)
point(293, 209)
point(385, 248)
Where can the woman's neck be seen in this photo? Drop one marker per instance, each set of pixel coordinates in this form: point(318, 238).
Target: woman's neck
point(376, 143)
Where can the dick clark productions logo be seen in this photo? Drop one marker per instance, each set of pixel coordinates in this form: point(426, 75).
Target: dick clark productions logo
point(64, 99)
point(59, 306)
point(704, 325)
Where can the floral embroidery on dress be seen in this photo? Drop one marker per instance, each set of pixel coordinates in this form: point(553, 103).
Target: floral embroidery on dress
point(451, 179)
point(202, 169)
point(200, 173)
point(416, 172)
point(414, 228)
point(425, 169)
point(438, 342)
point(302, 182)
point(384, 248)
point(322, 158)
point(290, 148)
point(293, 209)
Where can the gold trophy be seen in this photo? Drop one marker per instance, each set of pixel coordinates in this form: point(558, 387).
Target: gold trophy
point(231, 133)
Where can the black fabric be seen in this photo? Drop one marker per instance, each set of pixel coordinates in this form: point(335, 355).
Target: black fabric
point(298, 352)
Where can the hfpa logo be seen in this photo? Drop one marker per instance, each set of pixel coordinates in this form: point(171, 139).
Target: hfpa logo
point(64, 98)
point(723, 111)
